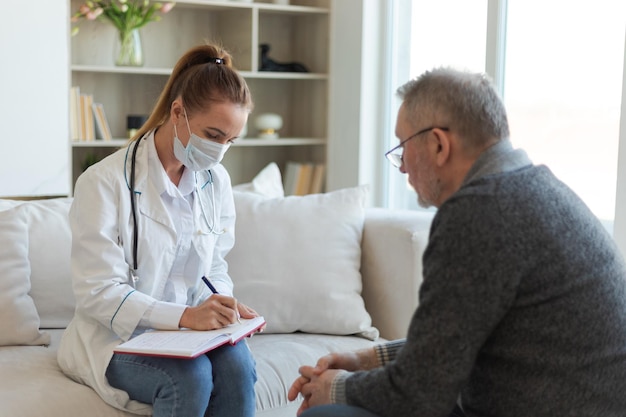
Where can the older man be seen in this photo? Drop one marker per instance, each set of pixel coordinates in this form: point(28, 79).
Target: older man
point(523, 306)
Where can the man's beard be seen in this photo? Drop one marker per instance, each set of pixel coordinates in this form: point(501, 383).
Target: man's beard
point(431, 193)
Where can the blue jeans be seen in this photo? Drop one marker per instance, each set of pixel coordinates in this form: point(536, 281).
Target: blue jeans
point(342, 410)
point(219, 383)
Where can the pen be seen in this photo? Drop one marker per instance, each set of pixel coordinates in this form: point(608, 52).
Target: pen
point(208, 284)
point(214, 291)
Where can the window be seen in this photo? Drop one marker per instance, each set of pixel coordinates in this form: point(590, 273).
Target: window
point(448, 32)
point(563, 88)
point(563, 69)
point(433, 43)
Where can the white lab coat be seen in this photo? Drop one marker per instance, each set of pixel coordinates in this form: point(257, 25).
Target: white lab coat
point(109, 304)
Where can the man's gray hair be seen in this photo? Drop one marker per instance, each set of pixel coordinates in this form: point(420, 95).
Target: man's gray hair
point(465, 102)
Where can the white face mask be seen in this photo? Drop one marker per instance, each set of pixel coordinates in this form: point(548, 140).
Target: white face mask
point(200, 154)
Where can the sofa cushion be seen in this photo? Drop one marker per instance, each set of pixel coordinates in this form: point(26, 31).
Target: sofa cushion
point(32, 384)
point(6, 204)
point(38, 240)
point(278, 358)
point(296, 260)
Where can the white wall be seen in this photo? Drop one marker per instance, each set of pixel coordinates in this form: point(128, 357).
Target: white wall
point(34, 89)
point(356, 124)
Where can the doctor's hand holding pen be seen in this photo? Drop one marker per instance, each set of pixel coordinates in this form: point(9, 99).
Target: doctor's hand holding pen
point(215, 312)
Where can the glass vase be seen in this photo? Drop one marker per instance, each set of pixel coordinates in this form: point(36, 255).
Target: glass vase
point(128, 52)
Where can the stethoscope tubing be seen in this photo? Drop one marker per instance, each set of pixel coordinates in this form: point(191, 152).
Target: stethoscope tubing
point(132, 203)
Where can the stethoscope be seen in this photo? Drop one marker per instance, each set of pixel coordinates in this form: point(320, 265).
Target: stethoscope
point(133, 193)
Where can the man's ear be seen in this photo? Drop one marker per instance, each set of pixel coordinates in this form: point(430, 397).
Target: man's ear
point(444, 146)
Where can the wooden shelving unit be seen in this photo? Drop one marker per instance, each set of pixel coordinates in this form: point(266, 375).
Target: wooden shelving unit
point(298, 32)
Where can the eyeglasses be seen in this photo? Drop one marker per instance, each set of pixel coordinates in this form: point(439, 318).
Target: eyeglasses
point(395, 154)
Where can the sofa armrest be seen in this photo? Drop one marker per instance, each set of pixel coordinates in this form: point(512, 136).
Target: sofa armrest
point(391, 266)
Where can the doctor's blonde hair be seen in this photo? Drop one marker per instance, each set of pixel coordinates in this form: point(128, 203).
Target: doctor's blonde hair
point(199, 80)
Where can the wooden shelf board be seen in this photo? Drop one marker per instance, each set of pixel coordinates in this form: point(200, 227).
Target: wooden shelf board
point(117, 143)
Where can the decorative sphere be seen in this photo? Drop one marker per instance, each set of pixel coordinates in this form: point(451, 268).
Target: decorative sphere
point(268, 124)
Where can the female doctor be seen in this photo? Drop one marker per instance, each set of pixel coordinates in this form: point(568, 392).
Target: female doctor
point(148, 222)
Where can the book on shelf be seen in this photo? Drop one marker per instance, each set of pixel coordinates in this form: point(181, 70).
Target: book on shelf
point(292, 170)
point(75, 129)
point(85, 117)
point(317, 179)
point(90, 130)
point(82, 123)
point(187, 343)
point(103, 131)
point(303, 178)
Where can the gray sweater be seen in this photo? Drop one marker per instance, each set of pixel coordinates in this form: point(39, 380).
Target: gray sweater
point(522, 310)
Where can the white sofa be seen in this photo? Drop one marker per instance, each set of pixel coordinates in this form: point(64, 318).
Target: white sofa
point(36, 300)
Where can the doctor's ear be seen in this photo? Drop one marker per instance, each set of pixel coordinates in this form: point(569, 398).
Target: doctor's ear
point(177, 110)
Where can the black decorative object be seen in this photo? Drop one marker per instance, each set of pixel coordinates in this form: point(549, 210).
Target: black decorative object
point(133, 123)
point(268, 64)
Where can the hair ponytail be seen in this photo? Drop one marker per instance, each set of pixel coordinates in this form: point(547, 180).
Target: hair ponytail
point(203, 75)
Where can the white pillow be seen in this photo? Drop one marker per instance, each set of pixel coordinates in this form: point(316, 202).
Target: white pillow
point(36, 243)
point(20, 321)
point(296, 260)
point(49, 246)
point(267, 183)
